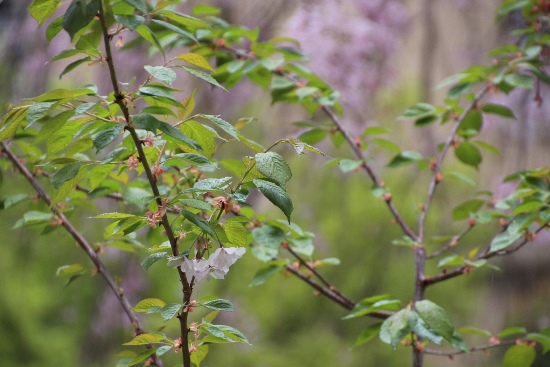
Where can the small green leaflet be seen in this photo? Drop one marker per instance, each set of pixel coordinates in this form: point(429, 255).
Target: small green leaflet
point(276, 195)
point(149, 305)
point(199, 222)
point(367, 334)
point(396, 327)
point(164, 74)
point(267, 271)
point(153, 258)
point(43, 9)
point(217, 304)
point(144, 339)
point(202, 75)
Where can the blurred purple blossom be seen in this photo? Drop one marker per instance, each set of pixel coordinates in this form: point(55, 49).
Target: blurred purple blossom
point(351, 43)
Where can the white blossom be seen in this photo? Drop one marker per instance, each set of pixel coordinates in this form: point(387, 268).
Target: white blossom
point(217, 264)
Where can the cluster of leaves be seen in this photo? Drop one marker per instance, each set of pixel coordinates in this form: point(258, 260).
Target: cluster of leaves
point(82, 138)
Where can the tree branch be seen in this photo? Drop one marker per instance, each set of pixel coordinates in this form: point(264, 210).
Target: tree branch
point(119, 99)
point(83, 243)
point(437, 169)
point(485, 255)
point(318, 275)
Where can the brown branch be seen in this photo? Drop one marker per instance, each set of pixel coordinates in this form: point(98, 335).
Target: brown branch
point(451, 244)
point(83, 243)
point(314, 271)
point(437, 169)
point(347, 304)
point(485, 255)
point(120, 101)
point(369, 170)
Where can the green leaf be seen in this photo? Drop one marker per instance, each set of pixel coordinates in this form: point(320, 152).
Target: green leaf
point(38, 110)
point(150, 123)
point(146, 339)
point(148, 35)
point(170, 310)
point(54, 28)
point(471, 124)
point(273, 166)
point(196, 204)
point(79, 14)
point(175, 29)
point(114, 215)
point(74, 64)
point(405, 158)
point(313, 136)
point(462, 177)
point(130, 21)
point(367, 334)
point(201, 9)
point(217, 304)
point(199, 354)
point(69, 270)
point(202, 75)
point(142, 356)
point(138, 4)
point(519, 80)
point(236, 233)
point(65, 174)
point(504, 240)
point(348, 165)
point(153, 258)
point(210, 184)
point(528, 207)
point(268, 235)
point(519, 356)
point(498, 109)
point(165, 75)
point(474, 330)
point(267, 271)
point(468, 154)
point(418, 111)
point(107, 136)
point(386, 144)
point(224, 125)
point(196, 60)
point(188, 21)
point(199, 222)
point(543, 340)
point(276, 195)
point(148, 304)
point(396, 327)
point(436, 319)
point(512, 331)
point(466, 209)
point(33, 217)
point(373, 304)
point(43, 9)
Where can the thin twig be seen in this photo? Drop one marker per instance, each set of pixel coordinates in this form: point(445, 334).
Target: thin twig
point(437, 169)
point(349, 305)
point(314, 271)
point(83, 243)
point(451, 244)
point(484, 255)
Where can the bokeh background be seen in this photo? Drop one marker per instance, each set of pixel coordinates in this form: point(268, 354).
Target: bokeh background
point(382, 55)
